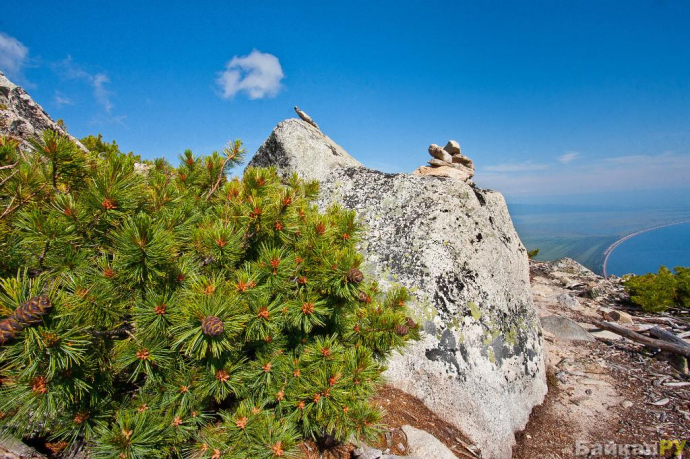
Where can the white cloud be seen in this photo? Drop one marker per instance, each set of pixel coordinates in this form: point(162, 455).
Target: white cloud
point(13, 56)
point(97, 81)
point(568, 157)
point(257, 74)
point(61, 100)
point(516, 167)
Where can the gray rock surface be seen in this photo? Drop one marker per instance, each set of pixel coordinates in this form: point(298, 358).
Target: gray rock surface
point(569, 301)
point(565, 329)
point(424, 445)
point(479, 364)
point(21, 117)
point(296, 146)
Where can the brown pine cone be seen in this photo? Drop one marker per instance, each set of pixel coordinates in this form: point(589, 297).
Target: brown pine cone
point(32, 311)
point(212, 326)
point(410, 323)
point(401, 330)
point(8, 329)
point(355, 276)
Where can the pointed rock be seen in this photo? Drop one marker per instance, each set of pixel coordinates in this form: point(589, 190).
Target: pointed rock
point(296, 147)
point(21, 117)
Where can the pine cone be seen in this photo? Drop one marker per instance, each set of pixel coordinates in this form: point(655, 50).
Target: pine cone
point(29, 313)
point(355, 276)
point(401, 330)
point(363, 297)
point(212, 326)
point(10, 325)
point(410, 323)
point(32, 311)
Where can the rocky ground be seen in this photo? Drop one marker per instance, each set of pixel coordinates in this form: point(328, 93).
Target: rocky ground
point(602, 388)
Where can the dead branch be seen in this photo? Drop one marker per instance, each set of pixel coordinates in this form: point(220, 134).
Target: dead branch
point(651, 342)
point(660, 333)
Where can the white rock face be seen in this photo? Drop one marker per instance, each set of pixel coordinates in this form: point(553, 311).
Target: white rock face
point(21, 117)
point(480, 362)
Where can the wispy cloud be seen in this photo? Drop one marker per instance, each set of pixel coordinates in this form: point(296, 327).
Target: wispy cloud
point(256, 74)
point(70, 70)
point(568, 157)
point(61, 100)
point(625, 173)
point(13, 56)
point(516, 167)
point(664, 158)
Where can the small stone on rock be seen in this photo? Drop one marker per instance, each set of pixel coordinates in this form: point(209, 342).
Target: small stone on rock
point(464, 160)
point(439, 153)
point(621, 317)
point(453, 148)
point(439, 163)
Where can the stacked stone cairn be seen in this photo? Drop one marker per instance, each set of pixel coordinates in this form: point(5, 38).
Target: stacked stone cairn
point(448, 162)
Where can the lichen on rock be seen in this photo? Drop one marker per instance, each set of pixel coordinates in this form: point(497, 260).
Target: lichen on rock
point(479, 364)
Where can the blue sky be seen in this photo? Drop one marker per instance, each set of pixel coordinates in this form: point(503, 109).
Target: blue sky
point(553, 100)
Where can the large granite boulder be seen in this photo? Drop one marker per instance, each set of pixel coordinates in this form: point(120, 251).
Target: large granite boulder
point(479, 364)
point(21, 117)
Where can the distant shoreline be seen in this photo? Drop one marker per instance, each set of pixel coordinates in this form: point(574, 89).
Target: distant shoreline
point(613, 246)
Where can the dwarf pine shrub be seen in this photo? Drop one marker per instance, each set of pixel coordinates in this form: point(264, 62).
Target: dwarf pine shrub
point(148, 311)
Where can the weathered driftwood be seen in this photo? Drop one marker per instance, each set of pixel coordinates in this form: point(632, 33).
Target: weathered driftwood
point(663, 345)
point(660, 333)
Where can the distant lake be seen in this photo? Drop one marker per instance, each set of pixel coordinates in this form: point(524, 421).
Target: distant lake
point(584, 232)
point(669, 246)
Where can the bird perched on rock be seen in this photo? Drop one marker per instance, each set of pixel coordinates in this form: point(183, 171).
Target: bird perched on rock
point(306, 117)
